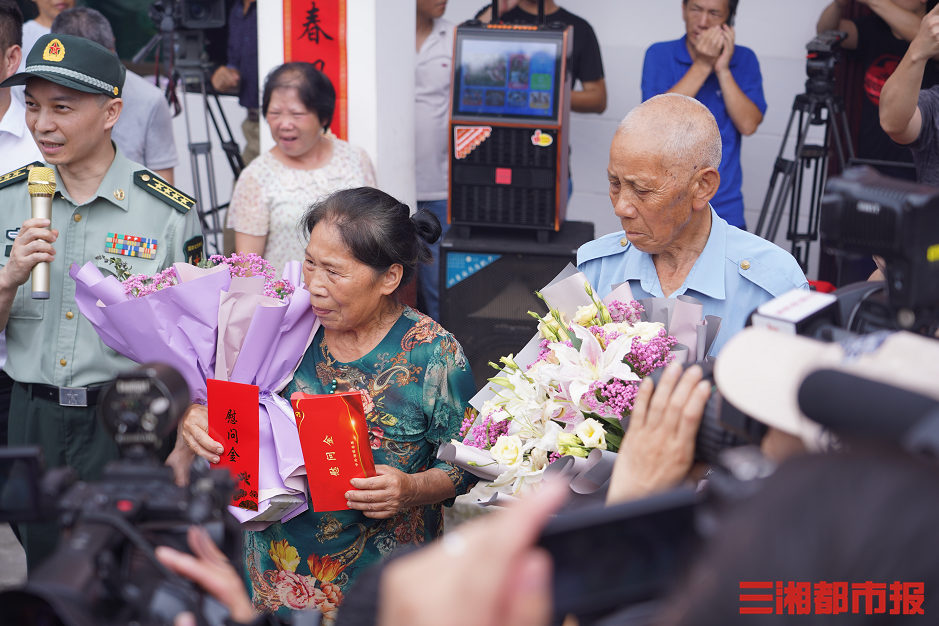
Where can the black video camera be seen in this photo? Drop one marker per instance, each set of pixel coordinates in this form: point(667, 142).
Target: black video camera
point(104, 570)
point(820, 60)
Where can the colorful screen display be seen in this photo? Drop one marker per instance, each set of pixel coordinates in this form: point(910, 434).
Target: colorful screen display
point(507, 78)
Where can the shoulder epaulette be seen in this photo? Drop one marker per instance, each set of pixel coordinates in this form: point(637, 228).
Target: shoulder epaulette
point(18, 175)
point(156, 186)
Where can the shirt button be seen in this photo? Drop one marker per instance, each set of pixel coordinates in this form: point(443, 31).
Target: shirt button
point(63, 362)
point(69, 315)
point(78, 217)
point(624, 242)
point(745, 265)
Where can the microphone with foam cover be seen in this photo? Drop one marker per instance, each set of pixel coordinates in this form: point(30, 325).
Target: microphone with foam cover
point(853, 406)
point(41, 189)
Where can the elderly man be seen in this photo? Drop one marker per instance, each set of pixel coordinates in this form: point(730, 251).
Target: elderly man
point(663, 173)
point(73, 99)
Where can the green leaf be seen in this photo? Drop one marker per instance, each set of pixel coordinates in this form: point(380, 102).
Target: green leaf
point(611, 425)
point(613, 442)
point(575, 341)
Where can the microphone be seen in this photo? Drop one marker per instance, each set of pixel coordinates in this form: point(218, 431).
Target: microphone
point(41, 189)
point(853, 406)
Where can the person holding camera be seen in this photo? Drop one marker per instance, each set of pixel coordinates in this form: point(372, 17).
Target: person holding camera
point(663, 173)
point(706, 64)
point(73, 99)
point(880, 41)
point(910, 114)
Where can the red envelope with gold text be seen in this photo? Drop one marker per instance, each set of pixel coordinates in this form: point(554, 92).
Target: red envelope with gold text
point(233, 422)
point(334, 439)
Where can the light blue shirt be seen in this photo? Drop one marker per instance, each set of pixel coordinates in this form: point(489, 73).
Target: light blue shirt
point(736, 272)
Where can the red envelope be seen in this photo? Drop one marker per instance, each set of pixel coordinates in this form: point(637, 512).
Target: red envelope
point(334, 439)
point(233, 422)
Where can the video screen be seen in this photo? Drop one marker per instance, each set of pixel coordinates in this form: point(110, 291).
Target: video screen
point(507, 78)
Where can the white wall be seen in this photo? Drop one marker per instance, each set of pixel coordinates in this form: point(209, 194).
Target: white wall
point(776, 31)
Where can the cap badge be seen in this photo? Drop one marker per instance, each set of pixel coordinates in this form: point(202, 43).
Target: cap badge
point(54, 51)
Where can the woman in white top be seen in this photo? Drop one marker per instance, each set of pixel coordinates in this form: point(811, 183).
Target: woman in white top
point(306, 164)
point(34, 29)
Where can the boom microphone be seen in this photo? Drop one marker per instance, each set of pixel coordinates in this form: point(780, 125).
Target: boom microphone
point(853, 406)
point(41, 189)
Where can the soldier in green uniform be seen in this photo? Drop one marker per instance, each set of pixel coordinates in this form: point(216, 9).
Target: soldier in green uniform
point(104, 205)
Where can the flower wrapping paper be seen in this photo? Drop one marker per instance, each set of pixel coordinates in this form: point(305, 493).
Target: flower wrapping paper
point(588, 478)
point(211, 325)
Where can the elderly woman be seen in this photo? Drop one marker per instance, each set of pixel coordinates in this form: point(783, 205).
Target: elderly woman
point(304, 166)
point(363, 249)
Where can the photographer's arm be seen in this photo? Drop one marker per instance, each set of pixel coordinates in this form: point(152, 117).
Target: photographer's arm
point(658, 449)
point(830, 19)
point(900, 117)
point(212, 571)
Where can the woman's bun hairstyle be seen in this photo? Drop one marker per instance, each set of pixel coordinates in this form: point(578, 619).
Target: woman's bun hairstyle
point(378, 230)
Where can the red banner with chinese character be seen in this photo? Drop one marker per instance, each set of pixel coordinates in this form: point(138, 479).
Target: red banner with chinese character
point(334, 439)
point(315, 32)
point(233, 422)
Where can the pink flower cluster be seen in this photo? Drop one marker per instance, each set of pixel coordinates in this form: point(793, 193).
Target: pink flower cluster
point(647, 357)
point(140, 285)
point(240, 265)
point(250, 264)
point(611, 399)
point(485, 434)
point(630, 312)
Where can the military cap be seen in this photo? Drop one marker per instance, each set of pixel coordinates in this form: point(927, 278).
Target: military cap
point(73, 62)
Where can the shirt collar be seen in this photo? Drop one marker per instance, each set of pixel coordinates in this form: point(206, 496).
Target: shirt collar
point(706, 276)
point(114, 187)
point(14, 121)
point(681, 52)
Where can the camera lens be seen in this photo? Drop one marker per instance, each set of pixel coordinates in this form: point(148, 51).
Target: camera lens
point(199, 11)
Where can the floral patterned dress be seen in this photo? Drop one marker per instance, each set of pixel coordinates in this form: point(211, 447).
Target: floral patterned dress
point(418, 385)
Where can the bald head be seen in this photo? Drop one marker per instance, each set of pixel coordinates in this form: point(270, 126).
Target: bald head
point(684, 128)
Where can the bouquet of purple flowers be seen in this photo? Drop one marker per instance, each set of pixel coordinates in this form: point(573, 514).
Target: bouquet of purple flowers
point(228, 319)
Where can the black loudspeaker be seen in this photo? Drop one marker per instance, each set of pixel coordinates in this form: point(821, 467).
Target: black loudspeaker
point(508, 180)
point(488, 285)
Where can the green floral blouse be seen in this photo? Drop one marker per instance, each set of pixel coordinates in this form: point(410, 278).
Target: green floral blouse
point(418, 387)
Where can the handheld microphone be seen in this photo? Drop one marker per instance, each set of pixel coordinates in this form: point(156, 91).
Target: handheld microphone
point(854, 406)
point(41, 189)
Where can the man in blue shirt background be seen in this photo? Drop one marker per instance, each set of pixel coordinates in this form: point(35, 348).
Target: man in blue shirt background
point(663, 174)
point(706, 65)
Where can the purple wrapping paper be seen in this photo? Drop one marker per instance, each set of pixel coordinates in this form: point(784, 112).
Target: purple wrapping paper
point(176, 326)
point(179, 326)
point(277, 336)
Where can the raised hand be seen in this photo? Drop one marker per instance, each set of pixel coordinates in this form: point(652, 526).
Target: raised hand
point(926, 42)
point(727, 52)
point(709, 46)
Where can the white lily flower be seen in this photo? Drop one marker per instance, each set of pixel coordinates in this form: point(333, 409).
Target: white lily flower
point(579, 368)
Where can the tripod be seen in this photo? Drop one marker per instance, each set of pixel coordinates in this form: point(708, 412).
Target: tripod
point(810, 108)
point(189, 70)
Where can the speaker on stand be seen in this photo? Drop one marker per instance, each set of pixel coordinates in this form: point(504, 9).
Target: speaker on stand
point(488, 284)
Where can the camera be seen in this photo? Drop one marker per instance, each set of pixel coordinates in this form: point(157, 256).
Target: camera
point(820, 59)
point(189, 14)
point(865, 213)
point(181, 24)
point(104, 570)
